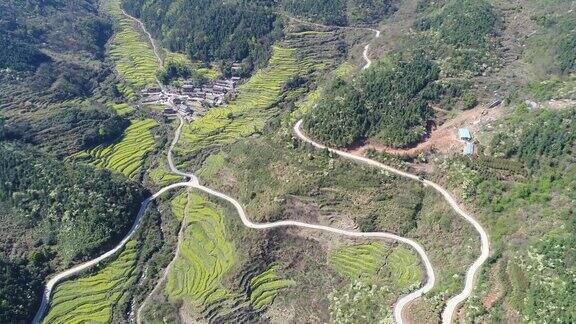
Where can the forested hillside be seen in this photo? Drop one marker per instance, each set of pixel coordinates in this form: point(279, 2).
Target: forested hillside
point(340, 12)
point(243, 30)
point(506, 70)
point(43, 32)
point(68, 129)
point(51, 67)
point(385, 102)
point(30, 28)
point(54, 83)
point(52, 215)
point(212, 30)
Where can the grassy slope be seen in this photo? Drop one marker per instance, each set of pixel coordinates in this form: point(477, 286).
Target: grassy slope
point(161, 175)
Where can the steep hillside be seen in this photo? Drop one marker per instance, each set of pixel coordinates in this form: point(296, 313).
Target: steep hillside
point(53, 215)
point(505, 70)
point(52, 67)
point(520, 185)
point(54, 87)
point(211, 30)
point(387, 102)
point(340, 12)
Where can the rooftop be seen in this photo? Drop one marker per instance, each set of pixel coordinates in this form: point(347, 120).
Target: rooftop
point(464, 133)
point(469, 149)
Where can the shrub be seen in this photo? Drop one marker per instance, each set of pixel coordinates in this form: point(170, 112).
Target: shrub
point(470, 101)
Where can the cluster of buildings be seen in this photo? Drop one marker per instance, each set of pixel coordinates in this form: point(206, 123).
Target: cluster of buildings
point(191, 101)
point(214, 94)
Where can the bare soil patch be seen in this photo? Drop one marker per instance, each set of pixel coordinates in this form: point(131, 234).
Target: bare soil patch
point(443, 139)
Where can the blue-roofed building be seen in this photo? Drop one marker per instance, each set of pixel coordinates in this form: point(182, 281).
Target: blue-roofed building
point(464, 134)
point(469, 148)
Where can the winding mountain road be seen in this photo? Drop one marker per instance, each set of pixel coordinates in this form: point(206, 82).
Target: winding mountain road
point(455, 301)
point(366, 48)
point(194, 184)
point(472, 272)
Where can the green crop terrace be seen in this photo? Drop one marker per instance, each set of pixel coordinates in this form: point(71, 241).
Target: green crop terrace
point(133, 56)
point(126, 156)
point(91, 299)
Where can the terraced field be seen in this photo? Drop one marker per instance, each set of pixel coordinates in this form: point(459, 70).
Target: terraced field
point(178, 205)
point(265, 287)
point(245, 115)
point(122, 109)
point(319, 46)
point(162, 176)
point(126, 156)
point(209, 72)
point(133, 56)
point(374, 261)
point(92, 298)
point(206, 255)
point(198, 277)
point(404, 267)
point(362, 261)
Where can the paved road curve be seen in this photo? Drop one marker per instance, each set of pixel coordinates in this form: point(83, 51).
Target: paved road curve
point(194, 183)
point(455, 301)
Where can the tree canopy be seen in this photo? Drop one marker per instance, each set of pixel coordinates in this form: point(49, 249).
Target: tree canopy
point(53, 214)
point(386, 102)
point(340, 12)
point(211, 30)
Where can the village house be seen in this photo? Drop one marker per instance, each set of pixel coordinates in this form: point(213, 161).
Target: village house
point(192, 101)
point(469, 148)
point(464, 134)
point(169, 111)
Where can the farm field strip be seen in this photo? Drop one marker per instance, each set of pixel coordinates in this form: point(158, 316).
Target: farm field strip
point(126, 156)
point(122, 109)
point(134, 59)
point(206, 255)
point(91, 298)
point(359, 260)
point(265, 287)
point(404, 268)
point(247, 113)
